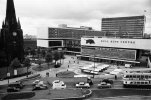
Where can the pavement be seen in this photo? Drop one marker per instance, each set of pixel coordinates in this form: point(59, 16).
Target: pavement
point(70, 63)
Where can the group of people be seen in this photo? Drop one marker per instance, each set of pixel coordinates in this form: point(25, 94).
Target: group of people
point(74, 61)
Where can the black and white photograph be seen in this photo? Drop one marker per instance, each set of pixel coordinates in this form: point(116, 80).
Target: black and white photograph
point(75, 49)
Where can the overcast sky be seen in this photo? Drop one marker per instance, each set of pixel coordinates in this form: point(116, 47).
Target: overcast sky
point(74, 13)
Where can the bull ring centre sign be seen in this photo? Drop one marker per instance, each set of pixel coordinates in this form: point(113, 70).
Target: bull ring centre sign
point(115, 41)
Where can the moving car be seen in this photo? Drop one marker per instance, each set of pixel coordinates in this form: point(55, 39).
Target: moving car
point(40, 87)
point(57, 84)
point(36, 82)
point(82, 85)
point(104, 85)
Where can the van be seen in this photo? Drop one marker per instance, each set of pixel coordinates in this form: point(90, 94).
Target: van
point(128, 65)
point(57, 84)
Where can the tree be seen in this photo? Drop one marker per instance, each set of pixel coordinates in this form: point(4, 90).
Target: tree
point(39, 63)
point(33, 53)
point(56, 56)
point(15, 63)
point(25, 52)
point(38, 52)
point(48, 58)
point(27, 64)
point(43, 53)
point(62, 55)
point(49, 50)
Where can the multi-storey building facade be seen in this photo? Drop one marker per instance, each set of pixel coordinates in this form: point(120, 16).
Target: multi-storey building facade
point(124, 27)
point(67, 38)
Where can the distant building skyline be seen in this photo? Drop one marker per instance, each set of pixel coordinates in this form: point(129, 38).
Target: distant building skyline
point(124, 27)
point(28, 36)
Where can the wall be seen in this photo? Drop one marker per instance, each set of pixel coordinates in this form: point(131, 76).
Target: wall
point(42, 43)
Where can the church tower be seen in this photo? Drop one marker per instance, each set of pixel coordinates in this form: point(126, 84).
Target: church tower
point(11, 35)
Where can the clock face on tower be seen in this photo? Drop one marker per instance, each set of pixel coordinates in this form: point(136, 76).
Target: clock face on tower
point(14, 33)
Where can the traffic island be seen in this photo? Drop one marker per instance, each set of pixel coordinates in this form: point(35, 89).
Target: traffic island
point(65, 74)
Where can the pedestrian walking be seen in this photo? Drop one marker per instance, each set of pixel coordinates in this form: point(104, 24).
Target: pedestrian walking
point(47, 74)
point(115, 77)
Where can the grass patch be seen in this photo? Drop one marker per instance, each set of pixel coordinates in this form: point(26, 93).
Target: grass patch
point(63, 94)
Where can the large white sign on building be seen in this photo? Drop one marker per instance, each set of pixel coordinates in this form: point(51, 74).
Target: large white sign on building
point(117, 42)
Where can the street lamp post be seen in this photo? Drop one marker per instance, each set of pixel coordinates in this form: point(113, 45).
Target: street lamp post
point(8, 76)
point(94, 66)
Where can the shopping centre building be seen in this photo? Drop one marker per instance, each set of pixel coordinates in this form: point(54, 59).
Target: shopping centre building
point(115, 50)
point(64, 38)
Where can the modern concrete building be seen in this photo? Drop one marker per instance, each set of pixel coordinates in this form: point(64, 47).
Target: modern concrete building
point(116, 50)
point(124, 27)
point(64, 38)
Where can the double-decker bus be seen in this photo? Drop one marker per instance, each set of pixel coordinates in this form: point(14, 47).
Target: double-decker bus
point(137, 80)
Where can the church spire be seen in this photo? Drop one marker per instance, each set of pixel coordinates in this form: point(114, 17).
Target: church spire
point(19, 26)
point(3, 24)
point(10, 13)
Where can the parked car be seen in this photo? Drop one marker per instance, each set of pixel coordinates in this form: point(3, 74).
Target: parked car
point(104, 85)
point(15, 87)
point(82, 85)
point(57, 84)
point(12, 89)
